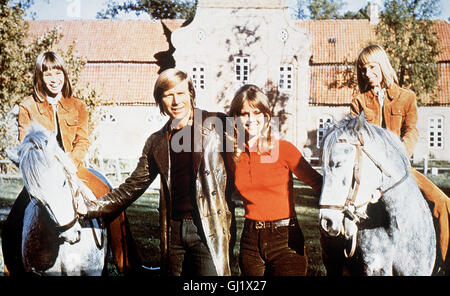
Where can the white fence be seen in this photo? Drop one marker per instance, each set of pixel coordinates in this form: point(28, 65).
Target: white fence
point(115, 170)
point(426, 168)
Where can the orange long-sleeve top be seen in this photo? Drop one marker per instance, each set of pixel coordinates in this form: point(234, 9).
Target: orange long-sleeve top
point(267, 187)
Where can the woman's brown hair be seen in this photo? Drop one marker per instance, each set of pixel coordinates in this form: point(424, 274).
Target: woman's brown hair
point(257, 99)
point(47, 61)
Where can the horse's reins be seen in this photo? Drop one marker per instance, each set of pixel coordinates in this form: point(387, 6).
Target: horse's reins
point(349, 209)
point(60, 228)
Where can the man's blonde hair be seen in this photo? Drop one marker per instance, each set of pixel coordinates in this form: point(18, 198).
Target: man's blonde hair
point(169, 79)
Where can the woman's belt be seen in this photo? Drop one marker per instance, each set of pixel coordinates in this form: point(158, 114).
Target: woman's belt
point(271, 224)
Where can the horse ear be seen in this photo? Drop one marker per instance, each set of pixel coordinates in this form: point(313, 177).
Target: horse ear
point(360, 121)
point(13, 155)
point(329, 126)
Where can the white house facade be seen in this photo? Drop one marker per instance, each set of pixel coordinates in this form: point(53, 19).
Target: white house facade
point(231, 43)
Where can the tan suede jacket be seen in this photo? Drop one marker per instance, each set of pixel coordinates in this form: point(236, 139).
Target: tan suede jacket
point(399, 113)
point(72, 119)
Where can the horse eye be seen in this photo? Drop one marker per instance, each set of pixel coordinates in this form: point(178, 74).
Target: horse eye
point(65, 183)
point(333, 164)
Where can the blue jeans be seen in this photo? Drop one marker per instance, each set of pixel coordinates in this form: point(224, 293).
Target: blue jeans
point(188, 254)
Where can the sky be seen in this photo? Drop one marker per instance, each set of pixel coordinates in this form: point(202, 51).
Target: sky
point(87, 9)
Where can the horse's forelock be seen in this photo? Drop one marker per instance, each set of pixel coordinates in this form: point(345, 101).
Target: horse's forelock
point(38, 153)
point(34, 158)
point(331, 135)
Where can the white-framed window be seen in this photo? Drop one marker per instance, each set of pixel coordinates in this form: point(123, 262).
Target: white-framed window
point(321, 127)
point(436, 132)
point(198, 77)
point(286, 79)
point(241, 68)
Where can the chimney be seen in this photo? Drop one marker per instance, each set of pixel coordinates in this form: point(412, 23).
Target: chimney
point(373, 13)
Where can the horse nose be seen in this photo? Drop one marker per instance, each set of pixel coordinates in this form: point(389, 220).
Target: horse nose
point(327, 226)
point(78, 236)
point(72, 235)
point(78, 232)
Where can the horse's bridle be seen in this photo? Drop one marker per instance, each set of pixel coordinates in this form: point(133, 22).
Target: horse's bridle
point(79, 194)
point(350, 209)
point(61, 228)
point(76, 193)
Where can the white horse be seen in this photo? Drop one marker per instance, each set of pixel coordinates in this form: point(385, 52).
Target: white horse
point(371, 201)
point(54, 240)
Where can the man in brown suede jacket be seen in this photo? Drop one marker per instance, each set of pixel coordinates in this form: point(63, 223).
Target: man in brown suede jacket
point(187, 153)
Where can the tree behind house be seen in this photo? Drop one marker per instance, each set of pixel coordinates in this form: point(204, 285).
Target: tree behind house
point(156, 9)
point(324, 9)
point(407, 34)
point(18, 53)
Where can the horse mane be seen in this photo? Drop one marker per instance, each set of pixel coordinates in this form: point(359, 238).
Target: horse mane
point(33, 157)
point(352, 126)
point(37, 155)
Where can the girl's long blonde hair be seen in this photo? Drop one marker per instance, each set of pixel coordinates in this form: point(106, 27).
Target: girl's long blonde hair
point(374, 54)
point(257, 99)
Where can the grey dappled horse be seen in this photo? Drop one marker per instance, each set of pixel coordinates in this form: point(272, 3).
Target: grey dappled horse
point(371, 203)
point(54, 240)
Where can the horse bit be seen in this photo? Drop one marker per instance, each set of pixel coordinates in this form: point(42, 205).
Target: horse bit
point(349, 209)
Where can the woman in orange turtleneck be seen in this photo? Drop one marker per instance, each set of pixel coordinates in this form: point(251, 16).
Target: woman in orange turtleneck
point(272, 242)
